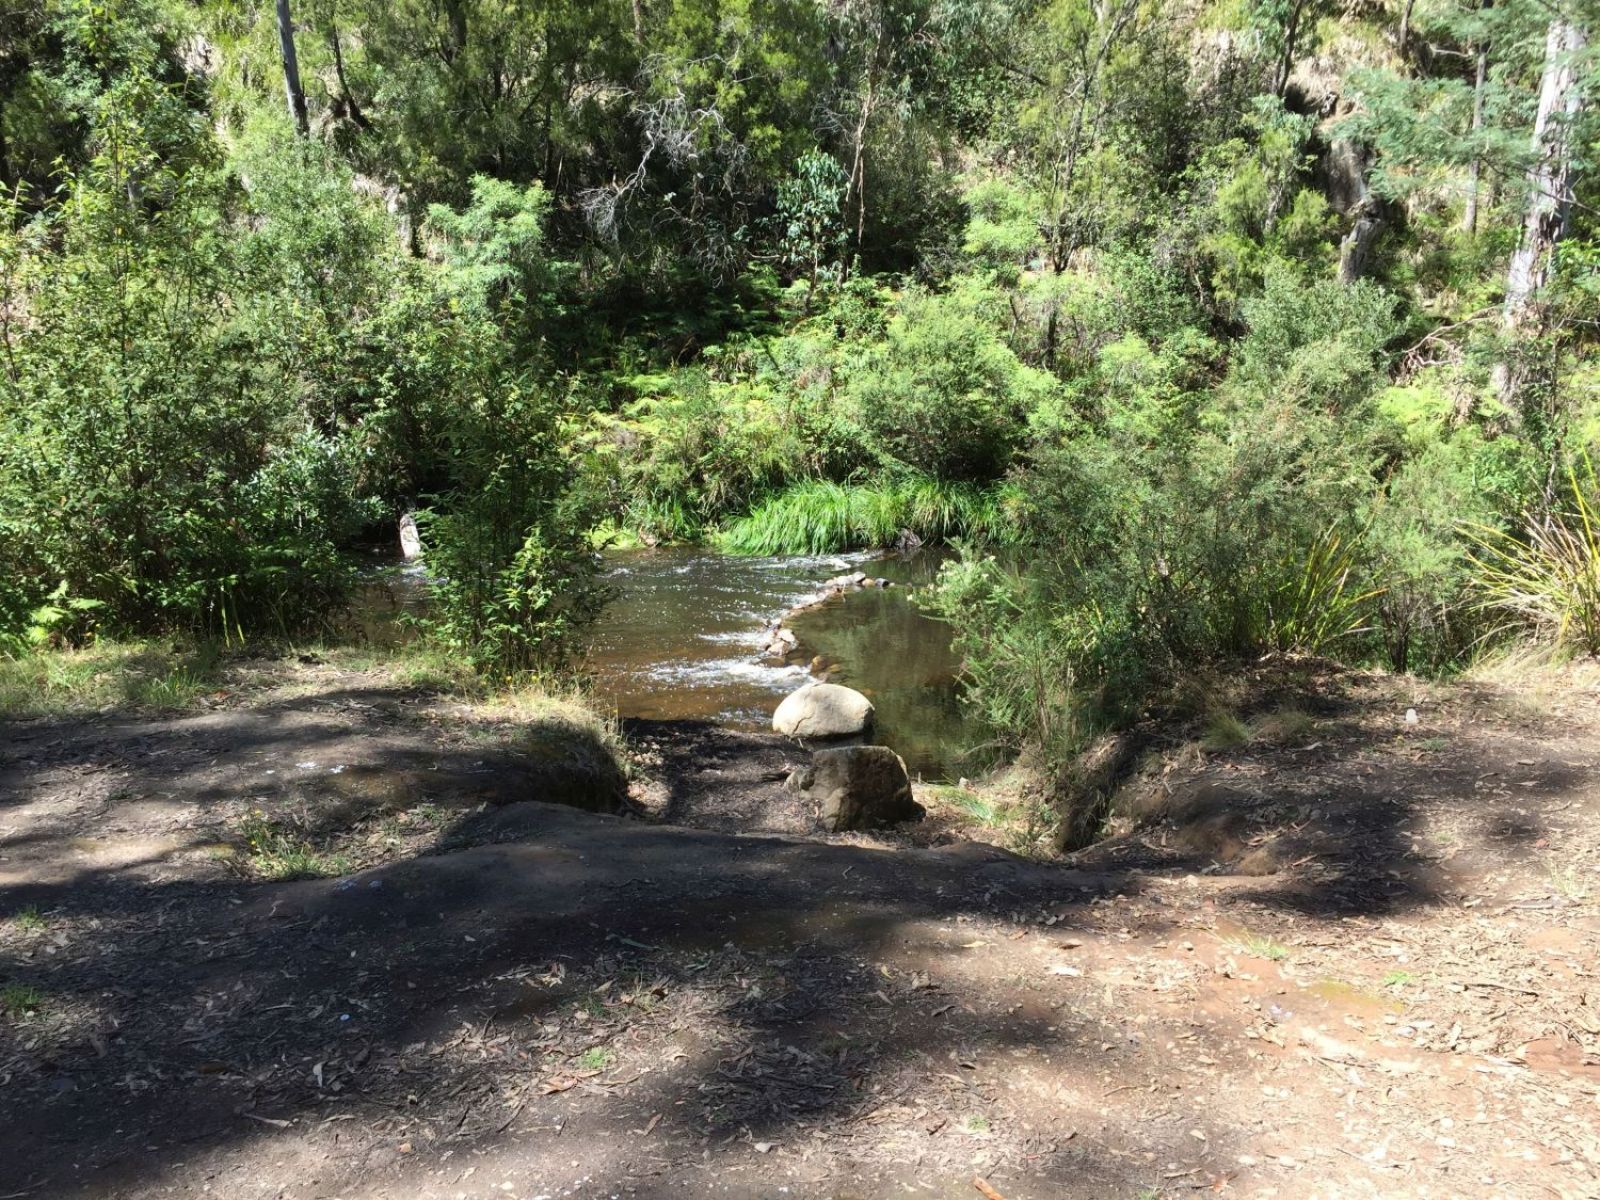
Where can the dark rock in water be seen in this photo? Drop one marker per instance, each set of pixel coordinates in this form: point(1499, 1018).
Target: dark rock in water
point(858, 787)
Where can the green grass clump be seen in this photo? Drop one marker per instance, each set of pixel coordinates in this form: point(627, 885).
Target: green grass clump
point(1548, 578)
point(18, 1000)
point(981, 809)
point(29, 919)
point(281, 852)
point(821, 517)
point(1225, 732)
point(45, 681)
point(1259, 946)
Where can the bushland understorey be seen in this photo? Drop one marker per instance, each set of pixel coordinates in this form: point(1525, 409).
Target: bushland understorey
point(1226, 349)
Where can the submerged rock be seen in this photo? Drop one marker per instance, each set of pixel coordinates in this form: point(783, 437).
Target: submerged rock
point(858, 787)
point(823, 710)
point(777, 642)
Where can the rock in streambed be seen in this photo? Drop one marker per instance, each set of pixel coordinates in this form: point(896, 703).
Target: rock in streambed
point(823, 710)
point(858, 787)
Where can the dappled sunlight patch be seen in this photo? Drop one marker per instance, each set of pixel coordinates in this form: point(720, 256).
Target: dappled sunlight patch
point(108, 675)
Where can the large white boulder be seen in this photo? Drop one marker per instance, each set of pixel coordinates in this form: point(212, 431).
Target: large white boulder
point(823, 710)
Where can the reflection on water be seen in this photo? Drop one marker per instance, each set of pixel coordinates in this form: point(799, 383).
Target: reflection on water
point(385, 600)
point(680, 642)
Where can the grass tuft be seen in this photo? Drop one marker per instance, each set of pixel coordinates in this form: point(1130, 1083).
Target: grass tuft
point(1259, 946)
point(18, 1000)
point(1225, 732)
point(981, 809)
point(108, 674)
point(29, 919)
point(280, 851)
point(1286, 727)
point(1548, 578)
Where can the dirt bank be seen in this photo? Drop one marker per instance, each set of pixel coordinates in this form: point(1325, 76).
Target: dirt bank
point(505, 997)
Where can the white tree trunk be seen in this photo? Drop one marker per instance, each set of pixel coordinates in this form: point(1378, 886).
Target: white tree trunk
point(1550, 179)
point(1549, 209)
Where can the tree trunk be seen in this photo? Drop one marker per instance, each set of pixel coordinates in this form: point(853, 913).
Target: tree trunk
point(1550, 181)
point(347, 100)
point(856, 188)
point(1469, 219)
point(1357, 244)
point(1291, 35)
point(291, 69)
point(1405, 28)
point(5, 151)
point(1349, 166)
point(638, 22)
point(456, 14)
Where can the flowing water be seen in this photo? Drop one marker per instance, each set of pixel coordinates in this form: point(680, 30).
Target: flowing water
point(679, 642)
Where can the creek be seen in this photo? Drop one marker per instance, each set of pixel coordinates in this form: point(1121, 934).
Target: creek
point(679, 642)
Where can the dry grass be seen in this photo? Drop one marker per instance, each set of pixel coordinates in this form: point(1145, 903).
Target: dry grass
point(1225, 731)
point(1289, 726)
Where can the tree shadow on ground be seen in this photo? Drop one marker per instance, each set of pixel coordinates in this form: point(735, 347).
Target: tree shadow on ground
point(743, 970)
point(328, 760)
point(595, 1005)
point(1348, 817)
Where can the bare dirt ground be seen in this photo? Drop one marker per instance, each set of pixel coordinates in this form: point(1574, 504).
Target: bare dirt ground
point(1351, 957)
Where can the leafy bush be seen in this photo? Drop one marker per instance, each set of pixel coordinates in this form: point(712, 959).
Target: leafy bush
point(943, 394)
point(912, 388)
point(514, 577)
point(506, 527)
point(1162, 531)
point(171, 423)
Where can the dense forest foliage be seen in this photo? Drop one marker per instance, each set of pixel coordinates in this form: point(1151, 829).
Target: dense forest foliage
point(1204, 330)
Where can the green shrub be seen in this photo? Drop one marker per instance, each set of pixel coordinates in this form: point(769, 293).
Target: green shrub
point(943, 394)
point(171, 448)
point(514, 577)
point(1160, 532)
point(1020, 655)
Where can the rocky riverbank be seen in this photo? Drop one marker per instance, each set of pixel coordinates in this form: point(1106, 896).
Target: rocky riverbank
point(778, 642)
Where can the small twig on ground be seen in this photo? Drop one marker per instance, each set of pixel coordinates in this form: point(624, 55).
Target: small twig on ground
point(983, 1186)
point(275, 1122)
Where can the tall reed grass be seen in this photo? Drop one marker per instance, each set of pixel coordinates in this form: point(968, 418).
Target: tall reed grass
point(820, 517)
point(1548, 577)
